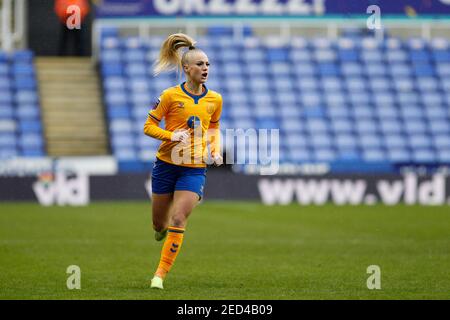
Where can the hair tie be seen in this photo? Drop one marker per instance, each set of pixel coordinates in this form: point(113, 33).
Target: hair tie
point(191, 48)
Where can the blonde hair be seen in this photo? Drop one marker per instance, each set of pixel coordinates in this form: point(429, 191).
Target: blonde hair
point(169, 55)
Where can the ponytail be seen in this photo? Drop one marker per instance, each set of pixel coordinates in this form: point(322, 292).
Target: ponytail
point(169, 56)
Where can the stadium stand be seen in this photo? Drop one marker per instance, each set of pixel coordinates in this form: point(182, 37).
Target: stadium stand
point(20, 117)
point(342, 101)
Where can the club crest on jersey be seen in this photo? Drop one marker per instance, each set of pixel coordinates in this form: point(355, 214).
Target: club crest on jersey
point(210, 108)
point(193, 122)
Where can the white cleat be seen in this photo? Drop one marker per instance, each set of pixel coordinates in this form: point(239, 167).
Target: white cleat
point(157, 283)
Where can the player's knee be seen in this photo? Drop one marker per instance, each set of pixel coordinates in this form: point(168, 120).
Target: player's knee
point(179, 219)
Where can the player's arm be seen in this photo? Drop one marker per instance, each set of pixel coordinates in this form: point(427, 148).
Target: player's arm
point(214, 131)
point(159, 111)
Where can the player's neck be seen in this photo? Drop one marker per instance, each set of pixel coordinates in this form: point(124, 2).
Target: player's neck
point(194, 88)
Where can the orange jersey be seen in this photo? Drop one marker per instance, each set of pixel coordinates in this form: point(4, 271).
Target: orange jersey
point(200, 114)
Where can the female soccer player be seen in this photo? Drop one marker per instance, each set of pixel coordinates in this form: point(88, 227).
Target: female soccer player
point(190, 111)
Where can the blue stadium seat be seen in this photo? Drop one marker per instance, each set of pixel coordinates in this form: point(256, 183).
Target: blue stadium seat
point(415, 126)
point(6, 112)
point(126, 154)
point(8, 140)
point(324, 155)
point(30, 126)
point(417, 141)
point(423, 70)
point(363, 112)
point(439, 126)
point(27, 97)
point(379, 84)
point(28, 111)
point(116, 98)
point(136, 69)
point(25, 83)
point(111, 56)
point(123, 140)
point(424, 156)
point(22, 56)
point(121, 126)
point(444, 156)
point(370, 140)
point(419, 56)
point(292, 125)
point(335, 98)
point(441, 56)
point(389, 126)
point(320, 140)
point(399, 155)
point(400, 70)
point(277, 55)
point(328, 69)
point(348, 55)
point(299, 155)
point(316, 126)
point(435, 112)
point(31, 141)
point(338, 112)
point(366, 126)
point(374, 155)
point(7, 126)
point(303, 56)
point(8, 152)
point(341, 125)
point(411, 112)
point(118, 112)
point(346, 141)
point(394, 141)
point(109, 69)
point(407, 98)
point(307, 83)
point(441, 141)
point(34, 152)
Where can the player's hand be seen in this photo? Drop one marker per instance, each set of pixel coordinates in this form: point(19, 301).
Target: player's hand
point(218, 160)
point(180, 135)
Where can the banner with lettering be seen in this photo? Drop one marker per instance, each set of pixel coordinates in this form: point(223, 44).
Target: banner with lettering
point(267, 8)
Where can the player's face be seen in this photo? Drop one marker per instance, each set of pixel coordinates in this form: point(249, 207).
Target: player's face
point(197, 68)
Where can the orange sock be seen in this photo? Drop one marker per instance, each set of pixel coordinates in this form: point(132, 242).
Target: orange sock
point(170, 250)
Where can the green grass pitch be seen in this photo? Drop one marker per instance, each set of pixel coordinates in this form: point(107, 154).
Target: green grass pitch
point(232, 250)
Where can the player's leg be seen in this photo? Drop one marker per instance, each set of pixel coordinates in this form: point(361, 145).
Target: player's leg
point(161, 204)
point(188, 192)
point(164, 179)
point(183, 203)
